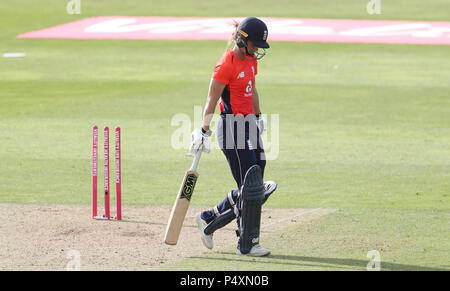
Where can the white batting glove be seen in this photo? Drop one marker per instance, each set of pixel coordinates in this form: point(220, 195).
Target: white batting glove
point(261, 122)
point(200, 141)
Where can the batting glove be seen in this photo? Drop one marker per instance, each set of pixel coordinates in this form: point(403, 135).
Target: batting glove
point(200, 141)
point(261, 122)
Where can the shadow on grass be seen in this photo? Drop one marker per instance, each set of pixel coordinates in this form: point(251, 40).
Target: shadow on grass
point(316, 262)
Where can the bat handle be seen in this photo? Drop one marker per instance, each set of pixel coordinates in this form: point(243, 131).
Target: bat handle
point(196, 160)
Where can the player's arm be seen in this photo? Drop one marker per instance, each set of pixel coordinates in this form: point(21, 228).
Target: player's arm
point(215, 91)
point(260, 120)
point(200, 138)
point(255, 99)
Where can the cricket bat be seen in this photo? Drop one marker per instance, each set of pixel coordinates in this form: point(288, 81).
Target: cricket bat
point(181, 204)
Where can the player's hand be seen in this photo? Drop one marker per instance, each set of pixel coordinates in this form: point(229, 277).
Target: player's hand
point(200, 141)
point(261, 122)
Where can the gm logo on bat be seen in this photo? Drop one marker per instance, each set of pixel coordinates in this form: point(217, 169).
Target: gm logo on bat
point(189, 186)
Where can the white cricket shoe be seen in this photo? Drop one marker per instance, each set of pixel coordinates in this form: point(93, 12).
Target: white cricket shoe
point(206, 239)
point(256, 251)
point(269, 187)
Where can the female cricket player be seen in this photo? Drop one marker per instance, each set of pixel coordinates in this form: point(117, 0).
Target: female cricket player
point(240, 125)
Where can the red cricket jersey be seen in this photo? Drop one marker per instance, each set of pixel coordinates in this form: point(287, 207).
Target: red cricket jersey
point(239, 77)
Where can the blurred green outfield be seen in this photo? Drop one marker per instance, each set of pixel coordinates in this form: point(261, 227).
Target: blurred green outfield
point(364, 129)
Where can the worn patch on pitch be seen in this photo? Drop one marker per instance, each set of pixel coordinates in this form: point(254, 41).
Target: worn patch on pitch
point(280, 29)
point(50, 237)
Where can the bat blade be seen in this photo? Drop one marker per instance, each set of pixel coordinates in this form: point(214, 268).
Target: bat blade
point(180, 207)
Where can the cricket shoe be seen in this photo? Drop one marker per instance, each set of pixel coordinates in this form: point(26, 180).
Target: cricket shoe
point(269, 188)
point(206, 239)
point(256, 251)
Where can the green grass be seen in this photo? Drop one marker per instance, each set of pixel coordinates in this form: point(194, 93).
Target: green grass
point(352, 141)
point(405, 239)
point(363, 128)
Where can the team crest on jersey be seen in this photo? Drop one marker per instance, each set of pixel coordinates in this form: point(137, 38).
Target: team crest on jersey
point(241, 75)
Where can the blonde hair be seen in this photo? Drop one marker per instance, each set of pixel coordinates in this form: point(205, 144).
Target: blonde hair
point(233, 38)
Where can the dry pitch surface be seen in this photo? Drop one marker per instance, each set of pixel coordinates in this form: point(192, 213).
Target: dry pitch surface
point(52, 237)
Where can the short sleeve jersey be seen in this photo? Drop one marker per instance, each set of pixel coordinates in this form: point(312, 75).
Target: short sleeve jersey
point(239, 77)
